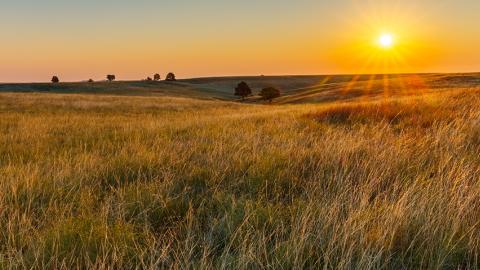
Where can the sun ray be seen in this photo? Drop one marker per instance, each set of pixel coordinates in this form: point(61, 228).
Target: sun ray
point(386, 86)
point(351, 84)
point(368, 86)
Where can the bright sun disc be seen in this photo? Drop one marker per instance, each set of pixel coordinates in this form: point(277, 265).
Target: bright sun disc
point(386, 40)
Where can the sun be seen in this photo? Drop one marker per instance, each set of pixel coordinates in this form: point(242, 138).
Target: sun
point(386, 40)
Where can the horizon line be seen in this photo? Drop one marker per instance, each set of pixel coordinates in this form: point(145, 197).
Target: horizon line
point(253, 76)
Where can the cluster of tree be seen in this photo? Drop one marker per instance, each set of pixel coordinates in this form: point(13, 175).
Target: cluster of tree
point(156, 77)
point(170, 77)
point(269, 93)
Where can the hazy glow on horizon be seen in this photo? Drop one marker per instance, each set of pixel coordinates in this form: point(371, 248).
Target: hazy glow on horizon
point(135, 39)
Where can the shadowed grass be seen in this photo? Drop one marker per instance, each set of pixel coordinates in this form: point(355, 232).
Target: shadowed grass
point(412, 114)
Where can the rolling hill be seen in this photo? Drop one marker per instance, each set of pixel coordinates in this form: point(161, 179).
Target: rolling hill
point(295, 89)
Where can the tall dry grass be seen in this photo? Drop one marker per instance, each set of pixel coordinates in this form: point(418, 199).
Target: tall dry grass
point(131, 182)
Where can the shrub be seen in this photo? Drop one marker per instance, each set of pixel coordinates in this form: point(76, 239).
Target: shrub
point(156, 77)
point(55, 79)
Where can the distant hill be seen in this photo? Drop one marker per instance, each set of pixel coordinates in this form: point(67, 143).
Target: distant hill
point(295, 89)
point(137, 88)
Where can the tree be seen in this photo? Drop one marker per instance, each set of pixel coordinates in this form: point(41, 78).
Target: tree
point(55, 79)
point(170, 77)
point(243, 90)
point(90, 80)
point(156, 77)
point(269, 93)
point(149, 79)
point(111, 77)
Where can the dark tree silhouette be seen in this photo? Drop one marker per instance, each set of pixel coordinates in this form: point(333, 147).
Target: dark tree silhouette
point(55, 79)
point(111, 77)
point(170, 77)
point(243, 90)
point(90, 80)
point(149, 79)
point(156, 77)
point(269, 93)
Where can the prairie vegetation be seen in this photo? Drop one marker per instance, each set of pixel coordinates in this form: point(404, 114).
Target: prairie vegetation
point(96, 181)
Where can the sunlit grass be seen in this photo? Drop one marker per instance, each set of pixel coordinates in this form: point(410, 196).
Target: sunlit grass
point(135, 182)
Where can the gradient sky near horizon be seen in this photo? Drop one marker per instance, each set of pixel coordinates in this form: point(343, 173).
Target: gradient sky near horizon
point(78, 40)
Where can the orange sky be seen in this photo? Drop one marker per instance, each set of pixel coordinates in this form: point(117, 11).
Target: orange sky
point(78, 41)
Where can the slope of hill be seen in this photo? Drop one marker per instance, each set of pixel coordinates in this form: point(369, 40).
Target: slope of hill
point(295, 89)
point(134, 88)
point(315, 89)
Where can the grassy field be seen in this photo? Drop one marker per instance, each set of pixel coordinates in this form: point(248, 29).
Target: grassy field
point(379, 173)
